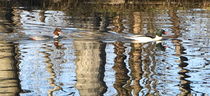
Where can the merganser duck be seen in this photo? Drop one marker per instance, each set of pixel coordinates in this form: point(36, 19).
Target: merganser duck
point(148, 37)
point(56, 33)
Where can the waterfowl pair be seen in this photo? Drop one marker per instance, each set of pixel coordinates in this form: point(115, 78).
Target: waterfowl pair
point(135, 38)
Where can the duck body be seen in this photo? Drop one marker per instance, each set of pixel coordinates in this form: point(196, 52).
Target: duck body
point(147, 37)
point(144, 39)
point(44, 37)
point(56, 33)
point(40, 38)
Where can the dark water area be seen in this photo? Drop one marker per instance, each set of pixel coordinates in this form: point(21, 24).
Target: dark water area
point(92, 61)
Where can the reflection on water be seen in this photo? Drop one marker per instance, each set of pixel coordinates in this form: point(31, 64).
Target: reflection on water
point(92, 60)
point(9, 81)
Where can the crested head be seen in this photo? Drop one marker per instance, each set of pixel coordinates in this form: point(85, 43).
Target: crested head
point(57, 32)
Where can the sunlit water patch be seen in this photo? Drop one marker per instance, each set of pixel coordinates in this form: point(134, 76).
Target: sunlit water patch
point(44, 68)
point(90, 61)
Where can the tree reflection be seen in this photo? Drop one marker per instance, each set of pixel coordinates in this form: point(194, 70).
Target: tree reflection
point(90, 64)
point(133, 76)
point(121, 70)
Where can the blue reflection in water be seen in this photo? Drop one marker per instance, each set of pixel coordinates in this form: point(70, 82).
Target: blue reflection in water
point(43, 68)
point(90, 62)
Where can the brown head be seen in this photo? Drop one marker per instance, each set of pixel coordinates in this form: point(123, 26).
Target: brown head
point(57, 31)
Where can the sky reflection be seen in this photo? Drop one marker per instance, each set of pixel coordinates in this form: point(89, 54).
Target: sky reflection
point(92, 60)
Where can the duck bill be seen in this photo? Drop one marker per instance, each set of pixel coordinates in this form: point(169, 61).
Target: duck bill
point(165, 33)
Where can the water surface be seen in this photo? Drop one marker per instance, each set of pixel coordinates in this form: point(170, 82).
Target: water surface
point(84, 64)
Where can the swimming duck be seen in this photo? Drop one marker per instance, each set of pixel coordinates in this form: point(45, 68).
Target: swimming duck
point(56, 33)
point(148, 37)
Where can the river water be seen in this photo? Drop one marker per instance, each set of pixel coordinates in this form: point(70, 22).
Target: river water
point(84, 65)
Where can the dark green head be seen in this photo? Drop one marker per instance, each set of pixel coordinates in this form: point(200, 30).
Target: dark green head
point(161, 32)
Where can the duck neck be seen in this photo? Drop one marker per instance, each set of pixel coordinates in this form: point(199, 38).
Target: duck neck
point(157, 37)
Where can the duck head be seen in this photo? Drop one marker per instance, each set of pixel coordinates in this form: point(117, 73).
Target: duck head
point(161, 32)
point(57, 32)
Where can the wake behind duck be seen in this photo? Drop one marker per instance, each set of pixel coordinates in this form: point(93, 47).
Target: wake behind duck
point(19, 36)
